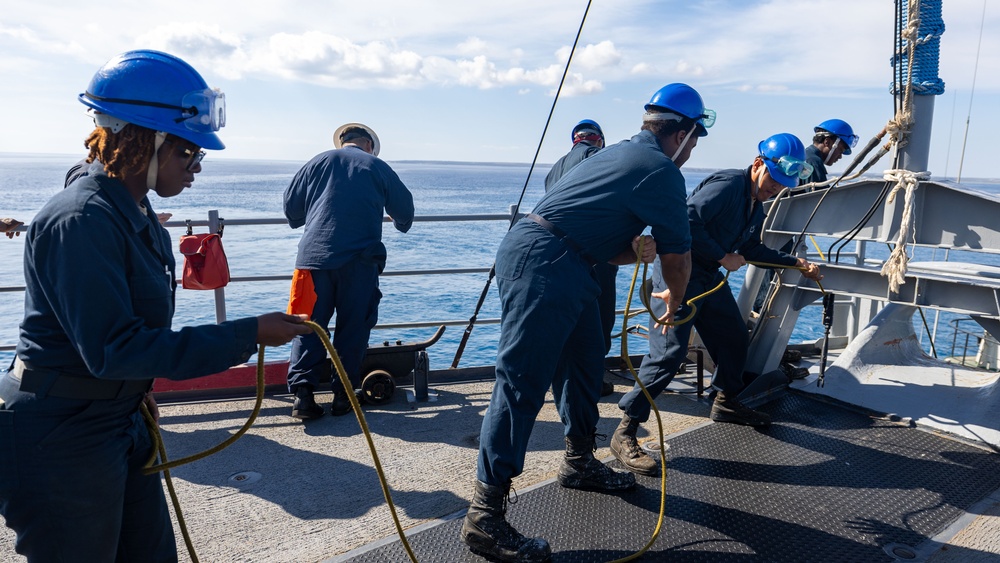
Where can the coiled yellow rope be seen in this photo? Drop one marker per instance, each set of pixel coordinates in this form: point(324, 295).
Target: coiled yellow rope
point(165, 465)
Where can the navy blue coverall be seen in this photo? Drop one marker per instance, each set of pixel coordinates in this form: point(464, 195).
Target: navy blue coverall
point(814, 158)
point(724, 217)
point(550, 332)
point(340, 196)
point(607, 274)
point(99, 299)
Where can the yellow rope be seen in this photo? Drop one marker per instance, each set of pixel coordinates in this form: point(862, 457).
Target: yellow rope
point(656, 411)
point(344, 380)
point(645, 295)
point(166, 465)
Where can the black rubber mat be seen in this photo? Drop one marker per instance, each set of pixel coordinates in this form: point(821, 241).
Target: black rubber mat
point(823, 483)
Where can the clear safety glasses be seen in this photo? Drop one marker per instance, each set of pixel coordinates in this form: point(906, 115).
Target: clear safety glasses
point(792, 167)
point(202, 111)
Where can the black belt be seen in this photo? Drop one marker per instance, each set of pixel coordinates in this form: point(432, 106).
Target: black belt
point(46, 383)
point(559, 234)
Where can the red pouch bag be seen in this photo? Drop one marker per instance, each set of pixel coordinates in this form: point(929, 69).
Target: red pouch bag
point(205, 263)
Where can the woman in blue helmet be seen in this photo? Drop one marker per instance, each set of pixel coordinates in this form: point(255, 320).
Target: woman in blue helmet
point(725, 214)
point(99, 297)
point(833, 138)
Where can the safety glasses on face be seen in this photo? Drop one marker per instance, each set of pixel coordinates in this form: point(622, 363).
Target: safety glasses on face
point(194, 156)
point(202, 111)
point(792, 167)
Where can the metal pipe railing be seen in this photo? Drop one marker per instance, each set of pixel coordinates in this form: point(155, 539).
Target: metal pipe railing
point(214, 222)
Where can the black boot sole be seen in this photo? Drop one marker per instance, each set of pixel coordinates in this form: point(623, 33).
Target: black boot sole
point(306, 414)
point(487, 551)
point(341, 411)
point(744, 422)
point(595, 488)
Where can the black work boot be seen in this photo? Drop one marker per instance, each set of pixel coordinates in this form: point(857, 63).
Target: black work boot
point(728, 409)
point(487, 533)
point(607, 388)
point(627, 450)
point(341, 404)
point(305, 407)
point(581, 470)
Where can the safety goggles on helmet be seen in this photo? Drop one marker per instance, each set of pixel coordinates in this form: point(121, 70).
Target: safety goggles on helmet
point(706, 119)
point(791, 167)
point(849, 141)
point(201, 111)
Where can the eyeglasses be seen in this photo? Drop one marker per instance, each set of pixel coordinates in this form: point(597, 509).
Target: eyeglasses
point(195, 156)
point(792, 167)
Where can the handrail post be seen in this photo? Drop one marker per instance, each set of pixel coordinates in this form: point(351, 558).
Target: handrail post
point(220, 292)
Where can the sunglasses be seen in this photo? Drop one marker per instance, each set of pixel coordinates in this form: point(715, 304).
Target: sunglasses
point(195, 156)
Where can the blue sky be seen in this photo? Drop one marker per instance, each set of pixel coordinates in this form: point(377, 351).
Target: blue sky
point(468, 80)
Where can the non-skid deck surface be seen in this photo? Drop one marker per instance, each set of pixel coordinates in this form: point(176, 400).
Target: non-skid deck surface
point(822, 484)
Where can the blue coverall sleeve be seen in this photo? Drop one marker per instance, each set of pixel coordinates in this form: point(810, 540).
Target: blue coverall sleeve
point(755, 251)
point(710, 203)
point(295, 199)
point(108, 314)
point(659, 202)
point(398, 200)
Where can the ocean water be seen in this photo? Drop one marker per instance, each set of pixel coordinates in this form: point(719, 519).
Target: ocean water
point(253, 190)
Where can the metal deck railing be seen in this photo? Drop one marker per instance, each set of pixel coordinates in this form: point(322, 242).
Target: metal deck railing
point(214, 222)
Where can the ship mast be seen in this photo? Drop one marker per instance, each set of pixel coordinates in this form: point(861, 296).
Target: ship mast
point(918, 33)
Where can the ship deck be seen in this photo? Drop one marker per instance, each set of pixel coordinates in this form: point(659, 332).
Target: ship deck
point(824, 483)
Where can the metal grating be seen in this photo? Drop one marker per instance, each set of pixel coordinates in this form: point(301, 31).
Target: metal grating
point(824, 483)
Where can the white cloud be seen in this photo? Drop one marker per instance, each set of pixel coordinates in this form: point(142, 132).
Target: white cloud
point(472, 46)
point(30, 38)
point(600, 56)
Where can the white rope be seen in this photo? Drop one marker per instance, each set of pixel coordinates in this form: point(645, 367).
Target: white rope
point(895, 266)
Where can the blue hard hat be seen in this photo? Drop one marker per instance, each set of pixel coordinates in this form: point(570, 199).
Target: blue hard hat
point(683, 100)
point(587, 124)
point(160, 92)
point(841, 129)
point(785, 158)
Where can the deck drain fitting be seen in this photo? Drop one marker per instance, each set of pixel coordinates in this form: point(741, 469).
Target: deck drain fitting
point(244, 478)
point(653, 447)
point(900, 552)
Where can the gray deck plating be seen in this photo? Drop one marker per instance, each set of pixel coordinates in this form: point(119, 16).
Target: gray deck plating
point(822, 484)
